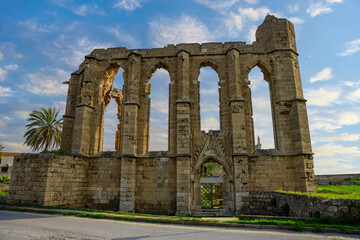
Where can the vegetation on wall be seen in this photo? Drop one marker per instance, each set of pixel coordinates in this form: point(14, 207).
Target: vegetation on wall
point(334, 191)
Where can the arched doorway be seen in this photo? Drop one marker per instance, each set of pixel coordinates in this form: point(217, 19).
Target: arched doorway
point(213, 189)
point(212, 185)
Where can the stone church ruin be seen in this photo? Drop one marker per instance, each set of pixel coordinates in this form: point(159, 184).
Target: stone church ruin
point(178, 181)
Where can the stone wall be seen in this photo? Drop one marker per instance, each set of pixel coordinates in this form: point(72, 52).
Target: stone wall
point(156, 185)
point(336, 179)
point(269, 171)
point(284, 204)
point(48, 180)
point(53, 180)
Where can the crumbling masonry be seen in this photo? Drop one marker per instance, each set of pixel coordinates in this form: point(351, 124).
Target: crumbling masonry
point(134, 179)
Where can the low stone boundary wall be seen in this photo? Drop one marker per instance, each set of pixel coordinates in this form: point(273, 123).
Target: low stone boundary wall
point(336, 179)
point(285, 204)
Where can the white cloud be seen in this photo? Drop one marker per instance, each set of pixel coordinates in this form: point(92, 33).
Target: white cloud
point(47, 82)
point(251, 1)
point(251, 34)
point(354, 96)
point(322, 97)
point(343, 137)
point(319, 8)
point(91, 8)
point(22, 114)
point(209, 123)
point(296, 20)
point(330, 121)
point(5, 92)
point(11, 67)
point(352, 84)
point(235, 21)
point(72, 51)
point(217, 4)
point(128, 5)
point(186, 29)
point(159, 106)
point(332, 149)
point(323, 75)
point(349, 118)
point(3, 73)
point(334, 1)
point(158, 140)
point(34, 26)
point(8, 50)
point(15, 147)
point(2, 124)
point(352, 47)
point(1, 56)
point(334, 165)
point(123, 36)
point(293, 8)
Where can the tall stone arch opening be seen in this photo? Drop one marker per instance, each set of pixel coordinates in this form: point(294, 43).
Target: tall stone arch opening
point(265, 77)
point(146, 91)
point(209, 96)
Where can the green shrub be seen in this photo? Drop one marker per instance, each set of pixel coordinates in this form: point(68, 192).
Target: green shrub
point(58, 152)
point(298, 227)
point(4, 180)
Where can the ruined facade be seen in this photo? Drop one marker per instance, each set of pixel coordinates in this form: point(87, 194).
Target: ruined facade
point(134, 179)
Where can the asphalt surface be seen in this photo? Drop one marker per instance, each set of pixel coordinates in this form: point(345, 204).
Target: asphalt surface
point(17, 225)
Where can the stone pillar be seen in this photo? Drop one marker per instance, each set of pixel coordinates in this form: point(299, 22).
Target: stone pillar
point(291, 124)
point(241, 180)
point(183, 186)
point(119, 100)
point(237, 111)
point(129, 128)
point(183, 137)
point(127, 184)
point(238, 131)
point(131, 107)
point(84, 113)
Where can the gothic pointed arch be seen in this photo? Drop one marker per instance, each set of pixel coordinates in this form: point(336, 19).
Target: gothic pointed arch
point(212, 150)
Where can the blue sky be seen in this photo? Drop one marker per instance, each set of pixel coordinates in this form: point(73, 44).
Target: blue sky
point(42, 42)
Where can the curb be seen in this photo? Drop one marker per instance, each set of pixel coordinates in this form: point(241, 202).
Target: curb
point(165, 221)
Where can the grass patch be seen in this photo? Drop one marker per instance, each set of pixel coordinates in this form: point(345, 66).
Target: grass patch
point(333, 191)
point(298, 224)
point(4, 192)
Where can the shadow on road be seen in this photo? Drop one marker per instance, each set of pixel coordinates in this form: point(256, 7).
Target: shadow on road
point(9, 215)
point(157, 236)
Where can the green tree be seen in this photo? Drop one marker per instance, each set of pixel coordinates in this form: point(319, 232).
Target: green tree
point(1, 155)
point(44, 129)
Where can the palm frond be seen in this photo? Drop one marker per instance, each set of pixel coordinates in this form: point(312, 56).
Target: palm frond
point(43, 129)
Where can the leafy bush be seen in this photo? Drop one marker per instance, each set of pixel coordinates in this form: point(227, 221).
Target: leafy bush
point(58, 152)
point(4, 180)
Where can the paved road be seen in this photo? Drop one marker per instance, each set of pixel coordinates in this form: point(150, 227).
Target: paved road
point(15, 225)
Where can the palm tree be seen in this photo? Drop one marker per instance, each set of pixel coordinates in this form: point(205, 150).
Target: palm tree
point(44, 129)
